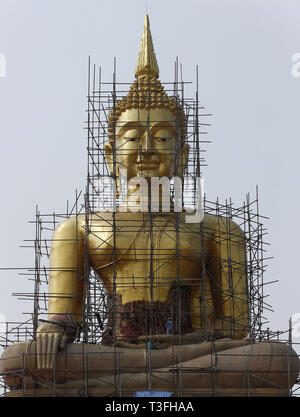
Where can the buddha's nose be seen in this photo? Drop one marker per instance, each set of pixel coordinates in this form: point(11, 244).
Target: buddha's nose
point(147, 143)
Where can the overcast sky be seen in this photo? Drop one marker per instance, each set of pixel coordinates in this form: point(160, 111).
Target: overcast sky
point(244, 50)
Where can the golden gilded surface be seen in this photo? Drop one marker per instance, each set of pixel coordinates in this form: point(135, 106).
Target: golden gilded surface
point(223, 290)
point(145, 259)
point(147, 60)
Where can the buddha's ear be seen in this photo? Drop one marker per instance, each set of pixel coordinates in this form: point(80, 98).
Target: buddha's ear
point(183, 160)
point(109, 156)
point(110, 162)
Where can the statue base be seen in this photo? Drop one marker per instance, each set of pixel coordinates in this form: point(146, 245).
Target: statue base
point(224, 367)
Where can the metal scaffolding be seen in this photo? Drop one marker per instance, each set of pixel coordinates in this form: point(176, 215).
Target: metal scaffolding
point(102, 308)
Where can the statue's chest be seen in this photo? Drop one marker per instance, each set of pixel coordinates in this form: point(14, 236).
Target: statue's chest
point(161, 249)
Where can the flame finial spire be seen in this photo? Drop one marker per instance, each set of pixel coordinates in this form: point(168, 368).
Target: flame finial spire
point(147, 62)
point(146, 91)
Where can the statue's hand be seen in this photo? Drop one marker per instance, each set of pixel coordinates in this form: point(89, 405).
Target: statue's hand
point(52, 335)
point(50, 338)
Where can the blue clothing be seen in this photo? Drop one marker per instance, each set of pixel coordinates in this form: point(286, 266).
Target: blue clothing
point(169, 326)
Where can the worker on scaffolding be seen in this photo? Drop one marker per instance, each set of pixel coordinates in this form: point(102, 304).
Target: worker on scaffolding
point(169, 326)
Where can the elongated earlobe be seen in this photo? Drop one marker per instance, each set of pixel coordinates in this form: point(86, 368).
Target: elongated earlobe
point(183, 160)
point(110, 162)
point(109, 157)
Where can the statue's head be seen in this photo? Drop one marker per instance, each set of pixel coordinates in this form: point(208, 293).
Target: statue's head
point(147, 128)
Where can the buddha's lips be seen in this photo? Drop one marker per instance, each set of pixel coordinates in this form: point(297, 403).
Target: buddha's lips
point(147, 165)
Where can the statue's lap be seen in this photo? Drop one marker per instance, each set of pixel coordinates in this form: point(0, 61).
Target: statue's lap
point(233, 362)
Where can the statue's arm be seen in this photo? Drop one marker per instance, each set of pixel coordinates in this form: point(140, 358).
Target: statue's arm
point(66, 270)
point(228, 277)
point(65, 291)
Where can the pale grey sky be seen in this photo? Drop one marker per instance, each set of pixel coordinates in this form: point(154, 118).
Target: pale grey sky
point(244, 50)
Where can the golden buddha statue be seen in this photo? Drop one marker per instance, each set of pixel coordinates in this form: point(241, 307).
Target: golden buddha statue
point(157, 268)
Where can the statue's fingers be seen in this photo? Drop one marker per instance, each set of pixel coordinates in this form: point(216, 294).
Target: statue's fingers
point(56, 341)
point(44, 340)
point(38, 351)
point(49, 354)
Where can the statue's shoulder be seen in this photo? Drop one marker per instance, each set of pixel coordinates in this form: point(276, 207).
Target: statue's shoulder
point(222, 224)
point(210, 223)
point(70, 226)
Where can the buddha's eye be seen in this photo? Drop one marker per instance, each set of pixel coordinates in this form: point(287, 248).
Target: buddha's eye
point(162, 139)
point(130, 139)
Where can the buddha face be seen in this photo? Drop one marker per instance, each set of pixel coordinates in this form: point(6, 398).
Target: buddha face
point(146, 144)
